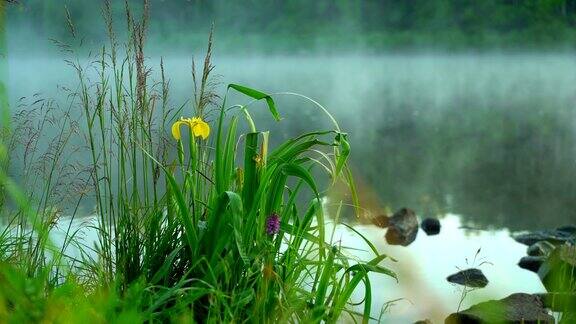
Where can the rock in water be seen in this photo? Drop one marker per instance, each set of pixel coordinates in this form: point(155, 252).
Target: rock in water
point(531, 263)
point(473, 278)
point(431, 226)
point(541, 248)
point(425, 321)
point(568, 229)
point(558, 273)
point(516, 308)
point(402, 227)
point(553, 236)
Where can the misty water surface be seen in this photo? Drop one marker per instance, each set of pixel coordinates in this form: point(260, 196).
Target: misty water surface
point(489, 137)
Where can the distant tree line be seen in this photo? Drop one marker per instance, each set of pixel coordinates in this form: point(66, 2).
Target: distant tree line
point(531, 21)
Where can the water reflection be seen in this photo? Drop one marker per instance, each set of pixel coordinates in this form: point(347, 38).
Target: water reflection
point(505, 167)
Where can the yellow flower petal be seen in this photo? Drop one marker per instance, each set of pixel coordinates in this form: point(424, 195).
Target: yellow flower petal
point(176, 128)
point(201, 129)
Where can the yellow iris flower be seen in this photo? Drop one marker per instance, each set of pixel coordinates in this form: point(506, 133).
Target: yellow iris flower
point(199, 127)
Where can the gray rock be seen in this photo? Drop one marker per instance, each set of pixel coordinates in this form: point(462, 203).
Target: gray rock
point(531, 263)
point(516, 308)
point(431, 226)
point(553, 236)
point(558, 273)
point(402, 227)
point(473, 278)
point(541, 248)
point(569, 229)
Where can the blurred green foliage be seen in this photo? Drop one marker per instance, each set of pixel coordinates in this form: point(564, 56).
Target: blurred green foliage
point(296, 25)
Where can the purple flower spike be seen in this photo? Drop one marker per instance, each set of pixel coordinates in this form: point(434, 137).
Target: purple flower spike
point(272, 224)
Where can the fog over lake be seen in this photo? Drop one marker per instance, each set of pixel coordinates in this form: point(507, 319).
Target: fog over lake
point(487, 136)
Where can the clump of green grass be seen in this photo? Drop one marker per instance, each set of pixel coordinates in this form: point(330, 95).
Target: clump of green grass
point(197, 220)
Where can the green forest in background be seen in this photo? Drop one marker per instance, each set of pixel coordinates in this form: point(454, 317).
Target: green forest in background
point(300, 25)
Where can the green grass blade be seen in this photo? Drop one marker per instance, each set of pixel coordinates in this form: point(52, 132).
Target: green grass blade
point(250, 170)
point(258, 95)
point(293, 169)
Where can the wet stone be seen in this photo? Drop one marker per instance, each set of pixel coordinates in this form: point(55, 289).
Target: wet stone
point(402, 227)
point(516, 308)
point(425, 321)
point(569, 229)
point(532, 263)
point(555, 237)
point(541, 248)
point(431, 226)
point(473, 278)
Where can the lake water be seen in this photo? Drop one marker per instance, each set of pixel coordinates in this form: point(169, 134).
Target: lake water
point(422, 291)
point(478, 140)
